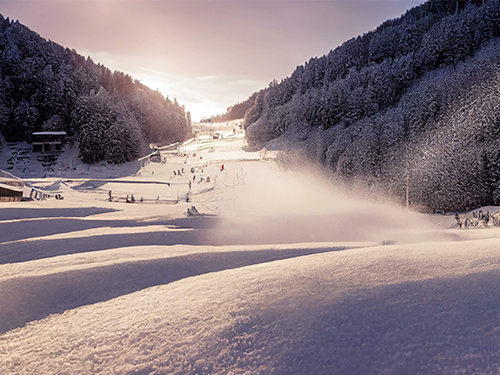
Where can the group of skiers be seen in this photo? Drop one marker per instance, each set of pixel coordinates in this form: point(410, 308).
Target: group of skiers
point(179, 172)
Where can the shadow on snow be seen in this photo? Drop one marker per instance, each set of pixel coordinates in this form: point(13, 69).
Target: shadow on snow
point(32, 298)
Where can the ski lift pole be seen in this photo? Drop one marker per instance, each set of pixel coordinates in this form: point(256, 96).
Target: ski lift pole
point(407, 189)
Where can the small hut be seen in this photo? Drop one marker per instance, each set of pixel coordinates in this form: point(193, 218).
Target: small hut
point(155, 157)
point(11, 190)
point(47, 141)
point(218, 135)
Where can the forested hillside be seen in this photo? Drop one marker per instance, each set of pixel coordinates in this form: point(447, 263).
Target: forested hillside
point(235, 112)
point(44, 86)
point(413, 103)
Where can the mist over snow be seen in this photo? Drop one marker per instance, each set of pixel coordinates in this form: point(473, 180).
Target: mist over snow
point(278, 206)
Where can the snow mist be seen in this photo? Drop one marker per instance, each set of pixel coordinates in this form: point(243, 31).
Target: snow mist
point(266, 205)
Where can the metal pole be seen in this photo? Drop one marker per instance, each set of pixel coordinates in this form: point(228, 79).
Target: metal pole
point(407, 189)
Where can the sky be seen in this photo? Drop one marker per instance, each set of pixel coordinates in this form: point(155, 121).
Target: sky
point(207, 54)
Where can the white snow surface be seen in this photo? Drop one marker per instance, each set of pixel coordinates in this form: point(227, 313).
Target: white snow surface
point(281, 273)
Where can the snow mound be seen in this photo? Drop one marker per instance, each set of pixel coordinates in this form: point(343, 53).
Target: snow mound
point(404, 309)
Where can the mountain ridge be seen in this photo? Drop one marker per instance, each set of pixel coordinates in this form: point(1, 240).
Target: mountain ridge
point(366, 111)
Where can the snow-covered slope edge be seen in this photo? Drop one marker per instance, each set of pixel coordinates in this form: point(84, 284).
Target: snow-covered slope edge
point(35, 289)
point(397, 309)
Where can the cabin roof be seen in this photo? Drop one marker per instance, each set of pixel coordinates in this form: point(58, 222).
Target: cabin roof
point(49, 133)
point(10, 187)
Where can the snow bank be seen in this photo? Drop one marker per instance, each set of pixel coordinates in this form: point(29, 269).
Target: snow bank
point(35, 289)
point(400, 309)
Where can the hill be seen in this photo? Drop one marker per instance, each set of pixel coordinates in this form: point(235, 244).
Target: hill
point(413, 103)
point(45, 86)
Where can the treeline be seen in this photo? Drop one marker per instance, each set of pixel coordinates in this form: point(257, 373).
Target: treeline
point(234, 112)
point(413, 103)
point(44, 86)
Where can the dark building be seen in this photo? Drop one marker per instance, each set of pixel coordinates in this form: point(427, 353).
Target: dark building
point(155, 157)
point(11, 190)
point(48, 141)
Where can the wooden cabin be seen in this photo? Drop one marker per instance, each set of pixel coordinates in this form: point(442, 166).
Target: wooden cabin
point(48, 141)
point(11, 190)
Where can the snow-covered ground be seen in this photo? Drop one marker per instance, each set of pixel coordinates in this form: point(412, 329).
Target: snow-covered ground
point(280, 273)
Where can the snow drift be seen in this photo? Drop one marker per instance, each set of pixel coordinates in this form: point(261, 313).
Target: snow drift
point(400, 309)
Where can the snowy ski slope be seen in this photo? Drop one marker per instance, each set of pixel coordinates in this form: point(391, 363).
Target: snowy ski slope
point(281, 273)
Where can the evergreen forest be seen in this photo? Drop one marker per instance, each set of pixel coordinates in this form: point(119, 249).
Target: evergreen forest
point(46, 87)
point(413, 104)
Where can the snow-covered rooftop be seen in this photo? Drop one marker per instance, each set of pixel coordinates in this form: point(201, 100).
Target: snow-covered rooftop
point(11, 187)
point(50, 133)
